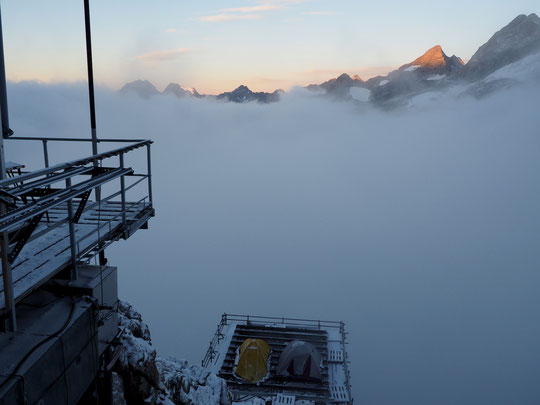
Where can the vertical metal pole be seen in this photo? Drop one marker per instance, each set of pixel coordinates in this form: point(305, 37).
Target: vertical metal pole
point(74, 270)
point(149, 172)
point(123, 192)
point(90, 77)
point(45, 153)
point(6, 131)
point(91, 97)
point(9, 297)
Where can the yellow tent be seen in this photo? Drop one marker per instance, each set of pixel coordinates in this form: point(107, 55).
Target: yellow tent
point(253, 359)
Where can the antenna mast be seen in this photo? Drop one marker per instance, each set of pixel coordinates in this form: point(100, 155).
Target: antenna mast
point(90, 76)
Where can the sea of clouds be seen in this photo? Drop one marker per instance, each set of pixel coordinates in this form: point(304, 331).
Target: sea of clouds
point(419, 229)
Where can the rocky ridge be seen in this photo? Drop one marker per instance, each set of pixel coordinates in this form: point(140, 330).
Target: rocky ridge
point(243, 94)
point(142, 377)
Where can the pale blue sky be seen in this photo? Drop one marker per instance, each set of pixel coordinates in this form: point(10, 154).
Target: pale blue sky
point(216, 45)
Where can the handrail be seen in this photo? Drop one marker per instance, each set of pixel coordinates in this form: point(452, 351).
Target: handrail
point(77, 162)
point(44, 138)
point(305, 322)
point(28, 211)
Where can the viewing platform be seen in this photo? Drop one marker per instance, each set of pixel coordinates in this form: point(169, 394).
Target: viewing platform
point(61, 216)
point(330, 384)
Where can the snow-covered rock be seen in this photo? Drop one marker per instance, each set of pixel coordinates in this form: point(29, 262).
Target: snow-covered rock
point(144, 377)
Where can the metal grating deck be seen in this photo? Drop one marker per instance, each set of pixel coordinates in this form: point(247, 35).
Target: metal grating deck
point(48, 253)
point(277, 338)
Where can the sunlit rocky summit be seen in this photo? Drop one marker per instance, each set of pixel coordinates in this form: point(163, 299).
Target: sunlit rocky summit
point(435, 71)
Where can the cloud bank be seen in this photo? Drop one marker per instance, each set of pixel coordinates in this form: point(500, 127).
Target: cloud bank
point(418, 229)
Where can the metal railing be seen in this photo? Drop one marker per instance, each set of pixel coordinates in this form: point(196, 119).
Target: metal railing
point(27, 196)
point(266, 320)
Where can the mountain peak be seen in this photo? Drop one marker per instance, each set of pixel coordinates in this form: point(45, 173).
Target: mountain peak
point(433, 58)
point(142, 88)
point(243, 94)
point(521, 37)
point(178, 90)
point(434, 61)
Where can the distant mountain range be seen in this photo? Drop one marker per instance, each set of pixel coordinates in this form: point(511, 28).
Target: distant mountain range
point(242, 94)
point(433, 71)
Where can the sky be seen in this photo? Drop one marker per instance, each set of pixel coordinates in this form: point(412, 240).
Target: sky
point(216, 45)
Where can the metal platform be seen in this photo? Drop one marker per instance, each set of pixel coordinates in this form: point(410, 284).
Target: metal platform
point(51, 224)
point(49, 253)
point(328, 337)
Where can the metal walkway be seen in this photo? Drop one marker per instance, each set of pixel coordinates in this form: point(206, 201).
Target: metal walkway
point(52, 224)
point(277, 338)
point(328, 337)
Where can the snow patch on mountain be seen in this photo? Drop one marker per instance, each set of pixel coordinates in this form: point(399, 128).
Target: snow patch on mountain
point(411, 68)
point(523, 70)
point(360, 94)
point(436, 77)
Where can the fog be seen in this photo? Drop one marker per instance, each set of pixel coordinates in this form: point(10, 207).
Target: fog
point(420, 230)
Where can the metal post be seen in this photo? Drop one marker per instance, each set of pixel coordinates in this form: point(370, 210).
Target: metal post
point(123, 192)
point(149, 172)
point(91, 96)
point(45, 153)
point(6, 131)
point(9, 297)
point(90, 77)
point(74, 270)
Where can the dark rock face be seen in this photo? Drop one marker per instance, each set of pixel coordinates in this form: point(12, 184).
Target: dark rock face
point(243, 94)
point(142, 377)
point(338, 87)
point(513, 42)
point(142, 88)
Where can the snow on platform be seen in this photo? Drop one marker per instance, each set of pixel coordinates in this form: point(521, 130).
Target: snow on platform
point(327, 337)
point(49, 252)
